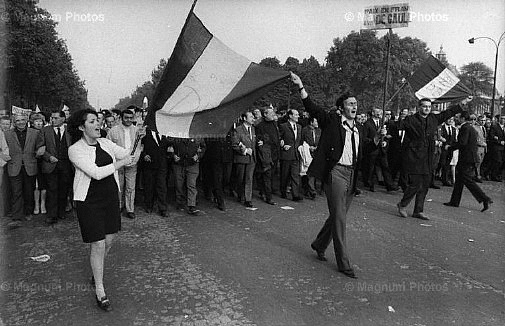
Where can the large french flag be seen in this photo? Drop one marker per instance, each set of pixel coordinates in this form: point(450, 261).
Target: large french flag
point(205, 86)
point(434, 81)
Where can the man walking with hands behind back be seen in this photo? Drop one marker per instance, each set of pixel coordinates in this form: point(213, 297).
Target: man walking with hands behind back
point(465, 169)
point(335, 163)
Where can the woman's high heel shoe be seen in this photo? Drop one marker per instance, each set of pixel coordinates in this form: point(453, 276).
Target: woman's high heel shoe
point(103, 303)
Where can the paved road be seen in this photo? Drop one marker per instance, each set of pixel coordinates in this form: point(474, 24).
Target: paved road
point(243, 267)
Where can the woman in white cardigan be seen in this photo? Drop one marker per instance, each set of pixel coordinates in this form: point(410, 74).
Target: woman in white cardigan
point(96, 191)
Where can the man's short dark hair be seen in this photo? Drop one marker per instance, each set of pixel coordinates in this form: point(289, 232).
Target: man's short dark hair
point(340, 101)
point(465, 115)
point(424, 99)
point(60, 112)
point(311, 118)
point(291, 112)
point(116, 111)
point(127, 111)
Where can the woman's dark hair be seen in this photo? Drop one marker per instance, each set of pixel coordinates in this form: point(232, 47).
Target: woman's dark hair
point(76, 120)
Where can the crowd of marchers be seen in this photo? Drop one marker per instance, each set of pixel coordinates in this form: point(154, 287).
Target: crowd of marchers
point(266, 151)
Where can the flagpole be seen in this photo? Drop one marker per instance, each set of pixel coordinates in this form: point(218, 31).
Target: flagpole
point(193, 6)
point(386, 78)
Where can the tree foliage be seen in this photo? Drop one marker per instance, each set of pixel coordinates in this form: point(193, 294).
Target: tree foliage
point(479, 79)
point(146, 90)
point(41, 69)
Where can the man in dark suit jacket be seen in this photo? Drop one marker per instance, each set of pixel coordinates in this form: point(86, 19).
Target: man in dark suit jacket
point(311, 135)
point(448, 138)
point(244, 146)
point(290, 134)
point(335, 162)
point(155, 168)
point(418, 148)
point(465, 169)
point(375, 146)
point(56, 166)
point(496, 139)
point(23, 144)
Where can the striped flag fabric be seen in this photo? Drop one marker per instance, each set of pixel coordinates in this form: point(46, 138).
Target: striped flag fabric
point(434, 81)
point(206, 86)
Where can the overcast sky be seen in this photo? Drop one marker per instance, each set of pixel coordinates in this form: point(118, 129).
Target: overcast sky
point(115, 44)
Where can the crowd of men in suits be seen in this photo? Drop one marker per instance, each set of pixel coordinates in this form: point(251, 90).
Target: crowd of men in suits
point(264, 151)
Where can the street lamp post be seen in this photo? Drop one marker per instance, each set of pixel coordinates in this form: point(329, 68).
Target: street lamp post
point(496, 44)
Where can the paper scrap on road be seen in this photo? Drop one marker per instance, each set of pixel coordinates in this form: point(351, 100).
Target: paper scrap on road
point(252, 208)
point(502, 221)
point(41, 258)
point(287, 207)
point(426, 225)
point(363, 299)
point(429, 199)
point(404, 266)
point(470, 240)
point(391, 309)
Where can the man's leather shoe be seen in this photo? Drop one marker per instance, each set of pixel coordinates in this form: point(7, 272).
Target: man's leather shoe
point(420, 216)
point(192, 210)
point(372, 188)
point(51, 220)
point(486, 204)
point(401, 210)
point(163, 213)
point(451, 204)
point(447, 184)
point(270, 202)
point(478, 180)
point(434, 186)
point(221, 207)
point(248, 204)
point(349, 273)
point(148, 210)
point(284, 196)
point(320, 254)
point(393, 188)
point(130, 215)
point(297, 198)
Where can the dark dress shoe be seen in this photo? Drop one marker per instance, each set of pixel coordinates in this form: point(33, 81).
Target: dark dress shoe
point(320, 254)
point(478, 180)
point(297, 198)
point(486, 204)
point(420, 216)
point(447, 184)
point(349, 273)
point(248, 204)
point(163, 213)
point(192, 210)
point(434, 186)
point(357, 192)
point(451, 204)
point(51, 220)
point(372, 188)
point(130, 215)
point(221, 207)
point(103, 303)
point(148, 210)
point(393, 188)
point(270, 202)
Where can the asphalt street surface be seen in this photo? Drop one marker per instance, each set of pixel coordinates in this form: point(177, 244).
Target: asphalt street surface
point(243, 267)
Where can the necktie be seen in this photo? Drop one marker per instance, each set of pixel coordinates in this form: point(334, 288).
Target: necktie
point(314, 135)
point(450, 132)
point(294, 130)
point(59, 133)
point(249, 132)
point(484, 131)
point(158, 138)
point(353, 144)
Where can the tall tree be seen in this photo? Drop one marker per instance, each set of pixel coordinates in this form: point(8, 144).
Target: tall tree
point(479, 79)
point(41, 69)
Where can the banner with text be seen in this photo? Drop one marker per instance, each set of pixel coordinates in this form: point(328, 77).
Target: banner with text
point(388, 16)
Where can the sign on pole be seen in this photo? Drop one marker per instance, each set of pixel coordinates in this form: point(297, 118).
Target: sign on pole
point(387, 16)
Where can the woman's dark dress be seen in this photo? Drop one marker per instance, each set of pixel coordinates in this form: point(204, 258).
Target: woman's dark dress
point(99, 214)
